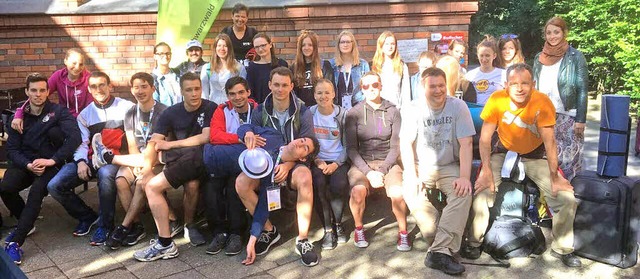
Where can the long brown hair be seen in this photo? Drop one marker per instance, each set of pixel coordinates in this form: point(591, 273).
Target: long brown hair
point(518, 57)
point(274, 59)
point(378, 57)
point(299, 65)
point(355, 54)
point(490, 43)
point(229, 61)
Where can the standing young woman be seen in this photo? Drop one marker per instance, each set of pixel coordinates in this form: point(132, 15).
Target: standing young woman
point(222, 67)
point(308, 67)
point(259, 70)
point(166, 79)
point(71, 83)
point(394, 73)
point(560, 71)
point(348, 68)
point(510, 50)
point(330, 183)
point(487, 78)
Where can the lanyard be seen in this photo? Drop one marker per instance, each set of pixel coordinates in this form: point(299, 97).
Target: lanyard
point(273, 173)
point(146, 130)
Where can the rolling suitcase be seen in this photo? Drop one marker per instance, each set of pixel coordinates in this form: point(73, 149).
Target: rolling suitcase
point(607, 222)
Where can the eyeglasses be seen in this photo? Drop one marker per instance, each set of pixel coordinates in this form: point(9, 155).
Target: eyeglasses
point(261, 46)
point(345, 42)
point(509, 36)
point(163, 53)
point(375, 85)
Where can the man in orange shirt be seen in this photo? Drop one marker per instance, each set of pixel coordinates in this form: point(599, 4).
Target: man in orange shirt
point(525, 120)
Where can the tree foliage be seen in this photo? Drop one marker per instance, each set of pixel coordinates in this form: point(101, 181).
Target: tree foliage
point(606, 31)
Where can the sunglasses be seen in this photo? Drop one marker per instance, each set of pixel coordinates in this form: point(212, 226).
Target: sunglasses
point(509, 36)
point(375, 85)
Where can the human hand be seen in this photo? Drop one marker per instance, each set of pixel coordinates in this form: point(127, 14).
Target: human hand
point(485, 181)
point(162, 145)
point(83, 171)
point(43, 162)
point(560, 184)
point(578, 129)
point(376, 179)
point(462, 186)
point(330, 168)
point(16, 124)
point(281, 172)
point(251, 251)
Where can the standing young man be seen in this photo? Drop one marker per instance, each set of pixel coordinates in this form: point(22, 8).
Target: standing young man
point(105, 116)
point(525, 120)
point(283, 111)
point(441, 128)
point(49, 137)
point(187, 122)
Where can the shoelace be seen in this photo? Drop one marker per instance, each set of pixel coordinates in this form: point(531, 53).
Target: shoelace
point(359, 235)
point(264, 237)
point(404, 239)
point(305, 247)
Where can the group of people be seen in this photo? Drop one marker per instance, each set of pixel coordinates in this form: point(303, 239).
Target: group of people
point(336, 130)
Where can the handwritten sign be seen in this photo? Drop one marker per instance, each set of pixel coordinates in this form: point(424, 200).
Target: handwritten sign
point(410, 49)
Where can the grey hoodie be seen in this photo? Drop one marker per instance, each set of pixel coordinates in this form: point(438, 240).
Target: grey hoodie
point(373, 135)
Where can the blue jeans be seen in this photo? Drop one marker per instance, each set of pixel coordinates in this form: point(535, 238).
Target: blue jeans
point(61, 189)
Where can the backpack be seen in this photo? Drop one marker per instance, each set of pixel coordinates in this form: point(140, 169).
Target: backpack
point(511, 237)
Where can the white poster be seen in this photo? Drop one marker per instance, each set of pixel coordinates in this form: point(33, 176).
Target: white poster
point(410, 49)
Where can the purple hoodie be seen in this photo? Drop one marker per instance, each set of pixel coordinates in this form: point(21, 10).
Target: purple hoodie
point(73, 95)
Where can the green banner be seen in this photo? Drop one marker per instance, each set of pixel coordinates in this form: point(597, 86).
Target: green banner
point(180, 21)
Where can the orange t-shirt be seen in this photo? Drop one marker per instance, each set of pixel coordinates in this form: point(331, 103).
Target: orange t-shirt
point(518, 127)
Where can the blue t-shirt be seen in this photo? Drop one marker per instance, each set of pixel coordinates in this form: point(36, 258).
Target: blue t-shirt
point(178, 123)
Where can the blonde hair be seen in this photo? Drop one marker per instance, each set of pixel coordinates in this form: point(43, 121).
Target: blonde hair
point(229, 61)
point(355, 54)
point(378, 57)
point(299, 64)
point(490, 43)
point(451, 68)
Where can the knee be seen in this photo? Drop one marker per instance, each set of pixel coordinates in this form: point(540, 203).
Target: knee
point(243, 185)
point(358, 194)
point(301, 179)
point(395, 193)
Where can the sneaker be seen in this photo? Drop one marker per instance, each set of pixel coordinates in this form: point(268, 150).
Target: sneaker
point(404, 243)
point(443, 262)
point(358, 238)
point(156, 251)
point(218, 242)
point(193, 235)
point(266, 240)
point(304, 248)
point(13, 233)
point(329, 241)
point(116, 238)
point(470, 252)
point(135, 234)
point(100, 236)
point(98, 151)
point(234, 245)
point(341, 236)
point(176, 227)
point(15, 252)
point(84, 227)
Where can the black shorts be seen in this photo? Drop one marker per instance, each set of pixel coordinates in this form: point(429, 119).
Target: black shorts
point(186, 165)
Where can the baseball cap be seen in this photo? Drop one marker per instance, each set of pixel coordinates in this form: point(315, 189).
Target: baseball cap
point(194, 43)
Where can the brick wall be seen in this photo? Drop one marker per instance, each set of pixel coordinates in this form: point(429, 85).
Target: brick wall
point(122, 44)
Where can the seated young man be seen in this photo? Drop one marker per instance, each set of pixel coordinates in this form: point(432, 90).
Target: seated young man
point(283, 111)
point(104, 116)
point(188, 122)
point(525, 120)
point(49, 137)
point(220, 189)
point(441, 128)
point(138, 123)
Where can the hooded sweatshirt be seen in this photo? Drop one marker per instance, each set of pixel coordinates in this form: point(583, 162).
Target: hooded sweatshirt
point(225, 123)
point(73, 95)
point(372, 135)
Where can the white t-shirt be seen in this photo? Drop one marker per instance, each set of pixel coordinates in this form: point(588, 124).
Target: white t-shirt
point(436, 133)
point(548, 84)
point(486, 83)
point(328, 135)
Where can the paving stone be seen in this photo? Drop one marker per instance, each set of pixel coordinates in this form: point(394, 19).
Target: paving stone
point(232, 267)
point(156, 269)
point(297, 270)
point(189, 274)
point(34, 258)
point(47, 273)
point(89, 266)
point(121, 273)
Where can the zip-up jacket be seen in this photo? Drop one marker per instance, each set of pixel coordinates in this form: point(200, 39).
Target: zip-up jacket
point(53, 134)
point(357, 71)
point(108, 120)
point(298, 125)
point(340, 117)
point(373, 135)
point(225, 123)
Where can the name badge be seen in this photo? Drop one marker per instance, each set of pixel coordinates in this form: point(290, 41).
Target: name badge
point(273, 198)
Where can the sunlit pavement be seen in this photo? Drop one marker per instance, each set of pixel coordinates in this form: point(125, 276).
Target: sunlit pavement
point(52, 252)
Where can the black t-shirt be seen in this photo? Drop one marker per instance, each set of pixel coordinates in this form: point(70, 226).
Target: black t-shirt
point(177, 123)
point(141, 127)
point(241, 45)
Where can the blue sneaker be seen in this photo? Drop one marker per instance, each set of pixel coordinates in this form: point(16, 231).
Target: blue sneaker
point(84, 227)
point(15, 252)
point(13, 233)
point(156, 251)
point(100, 236)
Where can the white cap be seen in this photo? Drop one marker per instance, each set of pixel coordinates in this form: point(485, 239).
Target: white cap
point(194, 43)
